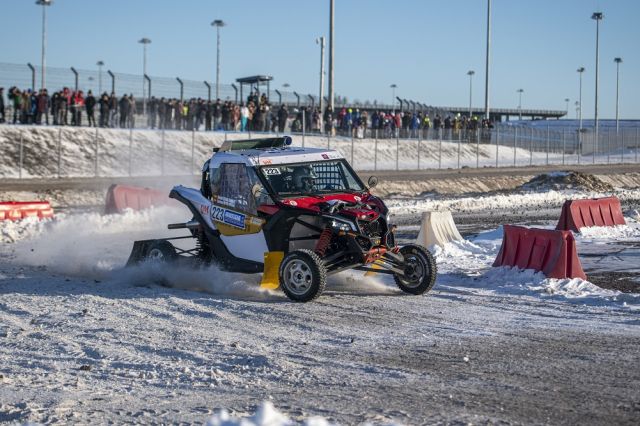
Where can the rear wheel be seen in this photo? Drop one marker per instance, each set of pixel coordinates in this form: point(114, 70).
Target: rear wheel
point(161, 251)
point(302, 275)
point(420, 270)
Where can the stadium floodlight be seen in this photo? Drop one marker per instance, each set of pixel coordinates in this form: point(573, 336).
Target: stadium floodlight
point(218, 23)
point(520, 91)
point(144, 41)
point(43, 78)
point(470, 73)
point(597, 16)
point(580, 71)
point(618, 61)
point(393, 96)
point(100, 64)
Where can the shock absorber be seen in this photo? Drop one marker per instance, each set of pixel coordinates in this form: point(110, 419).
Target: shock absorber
point(323, 242)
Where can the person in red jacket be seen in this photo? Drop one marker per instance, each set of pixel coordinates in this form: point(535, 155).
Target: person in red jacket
point(42, 107)
point(78, 103)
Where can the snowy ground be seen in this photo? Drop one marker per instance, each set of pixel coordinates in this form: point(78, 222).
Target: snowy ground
point(82, 339)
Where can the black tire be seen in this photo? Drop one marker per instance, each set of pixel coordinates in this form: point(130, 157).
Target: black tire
point(161, 251)
point(420, 270)
point(302, 275)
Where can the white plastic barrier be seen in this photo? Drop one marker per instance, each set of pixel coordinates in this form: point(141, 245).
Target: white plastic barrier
point(437, 228)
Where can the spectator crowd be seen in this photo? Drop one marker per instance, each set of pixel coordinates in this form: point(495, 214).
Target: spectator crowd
point(68, 107)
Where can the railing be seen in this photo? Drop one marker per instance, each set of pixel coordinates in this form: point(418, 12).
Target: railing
point(58, 151)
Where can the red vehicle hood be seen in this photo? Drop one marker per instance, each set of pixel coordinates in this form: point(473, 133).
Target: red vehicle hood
point(314, 204)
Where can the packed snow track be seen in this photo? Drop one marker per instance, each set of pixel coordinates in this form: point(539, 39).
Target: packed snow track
point(82, 339)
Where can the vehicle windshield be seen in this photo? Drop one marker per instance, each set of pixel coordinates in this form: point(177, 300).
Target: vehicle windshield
point(313, 178)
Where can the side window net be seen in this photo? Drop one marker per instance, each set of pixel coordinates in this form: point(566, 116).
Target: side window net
point(231, 187)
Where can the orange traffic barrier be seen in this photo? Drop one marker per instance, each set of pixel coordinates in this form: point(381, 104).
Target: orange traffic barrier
point(578, 214)
point(16, 210)
point(122, 197)
point(550, 252)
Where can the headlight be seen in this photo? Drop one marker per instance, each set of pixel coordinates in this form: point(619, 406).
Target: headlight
point(341, 226)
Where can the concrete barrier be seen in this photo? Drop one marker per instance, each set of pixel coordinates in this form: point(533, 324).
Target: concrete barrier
point(437, 228)
point(122, 197)
point(550, 252)
point(578, 214)
point(16, 210)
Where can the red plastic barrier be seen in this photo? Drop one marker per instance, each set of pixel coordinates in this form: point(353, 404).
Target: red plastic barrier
point(550, 252)
point(578, 214)
point(16, 210)
point(121, 197)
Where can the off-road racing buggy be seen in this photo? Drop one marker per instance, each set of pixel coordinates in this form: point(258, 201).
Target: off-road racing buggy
point(294, 214)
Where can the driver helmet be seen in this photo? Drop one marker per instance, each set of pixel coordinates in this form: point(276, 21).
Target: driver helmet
point(304, 178)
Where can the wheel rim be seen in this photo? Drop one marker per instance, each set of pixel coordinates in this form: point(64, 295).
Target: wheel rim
point(297, 277)
point(414, 270)
point(155, 255)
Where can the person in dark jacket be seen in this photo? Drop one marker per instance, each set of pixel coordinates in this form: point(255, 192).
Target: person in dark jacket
point(42, 107)
point(104, 110)
point(283, 114)
point(2, 118)
point(124, 106)
point(90, 105)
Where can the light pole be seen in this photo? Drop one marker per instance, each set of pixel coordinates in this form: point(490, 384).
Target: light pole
point(393, 96)
point(100, 64)
point(566, 108)
point(44, 4)
point(580, 71)
point(486, 71)
point(320, 41)
point(577, 104)
point(597, 16)
point(218, 23)
point(331, 53)
point(144, 41)
point(520, 91)
point(470, 73)
point(618, 61)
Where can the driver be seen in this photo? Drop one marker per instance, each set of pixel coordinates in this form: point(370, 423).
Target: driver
point(304, 178)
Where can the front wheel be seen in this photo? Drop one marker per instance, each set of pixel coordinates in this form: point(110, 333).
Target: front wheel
point(302, 275)
point(420, 270)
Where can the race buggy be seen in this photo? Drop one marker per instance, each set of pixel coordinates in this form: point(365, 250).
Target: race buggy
point(294, 214)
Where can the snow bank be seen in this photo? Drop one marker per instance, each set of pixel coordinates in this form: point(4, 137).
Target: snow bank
point(610, 232)
point(467, 264)
point(268, 415)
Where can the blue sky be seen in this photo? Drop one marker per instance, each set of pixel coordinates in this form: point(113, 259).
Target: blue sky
point(425, 47)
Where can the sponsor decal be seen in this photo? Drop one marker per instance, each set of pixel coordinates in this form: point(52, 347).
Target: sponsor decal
point(229, 217)
point(357, 199)
point(293, 203)
point(266, 161)
point(204, 209)
point(271, 171)
point(325, 156)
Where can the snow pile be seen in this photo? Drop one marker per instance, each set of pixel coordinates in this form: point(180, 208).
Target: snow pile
point(566, 180)
point(468, 265)
point(268, 415)
point(609, 232)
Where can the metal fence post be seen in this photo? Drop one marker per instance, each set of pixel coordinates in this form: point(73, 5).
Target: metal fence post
point(375, 151)
point(439, 150)
point(20, 164)
point(193, 148)
point(419, 143)
point(59, 152)
point(397, 150)
point(304, 120)
point(531, 147)
point(564, 146)
point(131, 150)
point(608, 146)
point(478, 148)
point(623, 147)
point(95, 166)
point(548, 136)
point(637, 143)
point(497, 146)
point(162, 154)
point(459, 147)
point(515, 143)
point(352, 163)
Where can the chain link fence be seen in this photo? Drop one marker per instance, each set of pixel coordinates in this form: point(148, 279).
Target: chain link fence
point(59, 152)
